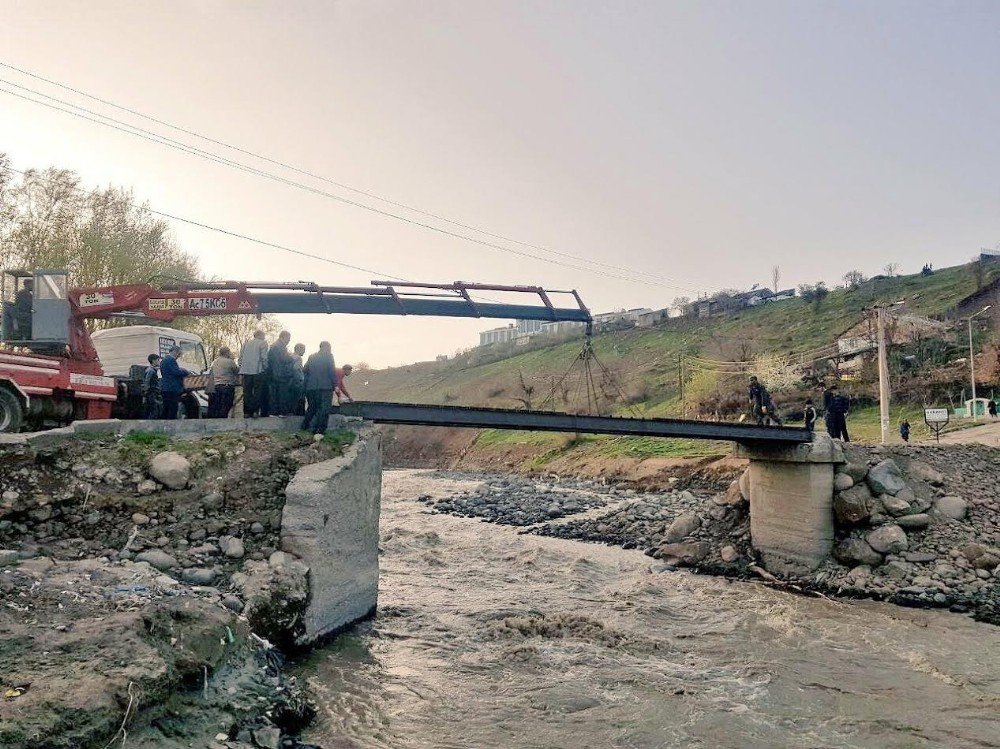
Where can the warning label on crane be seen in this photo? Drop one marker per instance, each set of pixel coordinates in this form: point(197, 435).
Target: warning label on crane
point(167, 304)
point(97, 299)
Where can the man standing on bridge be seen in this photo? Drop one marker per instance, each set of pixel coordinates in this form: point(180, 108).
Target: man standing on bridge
point(253, 364)
point(173, 383)
point(320, 380)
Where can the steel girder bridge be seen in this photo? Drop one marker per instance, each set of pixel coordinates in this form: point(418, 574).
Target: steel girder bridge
point(554, 421)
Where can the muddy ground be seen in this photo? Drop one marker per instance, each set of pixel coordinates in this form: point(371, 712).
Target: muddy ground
point(128, 606)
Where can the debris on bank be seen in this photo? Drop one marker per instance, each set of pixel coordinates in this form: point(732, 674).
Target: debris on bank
point(142, 592)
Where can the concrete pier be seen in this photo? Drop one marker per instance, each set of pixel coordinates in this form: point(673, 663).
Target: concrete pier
point(791, 503)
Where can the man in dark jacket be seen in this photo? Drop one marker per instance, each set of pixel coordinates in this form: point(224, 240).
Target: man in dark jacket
point(280, 376)
point(320, 380)
point(173, 383)
point(152, 399)
point(23, 302)
point(810, 415)
point(836, 417)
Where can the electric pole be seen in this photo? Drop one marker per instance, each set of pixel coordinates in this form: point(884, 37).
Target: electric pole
point(883, 375)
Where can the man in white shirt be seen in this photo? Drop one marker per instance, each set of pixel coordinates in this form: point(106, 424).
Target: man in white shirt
point(253, 371)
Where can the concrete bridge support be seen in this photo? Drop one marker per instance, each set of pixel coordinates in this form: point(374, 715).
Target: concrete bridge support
point(791, 502)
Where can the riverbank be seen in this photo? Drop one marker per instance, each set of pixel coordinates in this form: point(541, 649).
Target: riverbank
point(489, 636)
point(916, 525)
point(145, 593)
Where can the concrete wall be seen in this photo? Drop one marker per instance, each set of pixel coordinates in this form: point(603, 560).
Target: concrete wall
point(330, 521)
point(791, 503)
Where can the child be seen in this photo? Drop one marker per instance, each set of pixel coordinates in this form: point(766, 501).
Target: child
point(810, 414)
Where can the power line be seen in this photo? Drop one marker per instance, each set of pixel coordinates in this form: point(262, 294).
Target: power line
point(195, 151)
point(335, 183)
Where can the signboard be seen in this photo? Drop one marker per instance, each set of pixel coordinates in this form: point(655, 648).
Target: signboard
point(97, 299)
point(936, 419)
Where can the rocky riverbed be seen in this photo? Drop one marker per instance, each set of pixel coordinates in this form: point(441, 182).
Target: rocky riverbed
point(142, 593)
point(916, 525)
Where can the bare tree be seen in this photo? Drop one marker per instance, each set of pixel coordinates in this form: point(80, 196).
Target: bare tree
point(891, 269)
point(853, 279)
point(775, 278)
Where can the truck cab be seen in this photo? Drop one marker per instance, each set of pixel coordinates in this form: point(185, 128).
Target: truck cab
point(36, 309)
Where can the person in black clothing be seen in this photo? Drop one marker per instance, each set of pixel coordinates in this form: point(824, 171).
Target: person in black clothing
point(280, 376)
point(23, 302)
point(761, 405)
point(836, 417)
point(829, 393)
point(810, 415)
point(992, 408)
point(904, 430)
point(320, 380)
point(152, 399)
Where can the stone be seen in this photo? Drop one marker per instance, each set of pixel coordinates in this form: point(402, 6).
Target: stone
point(920, 520)
point(853, 506)
point(951, 507)
point(919, 557)
point(171, 469)
point(158, 559)
point(729, 554)
point(924, 472)
point(139, 519)
point(842, 482)
point(268, 738)
point(257, 528)
point(894, 505)
point(9, 556)
point(857, 471)
point(885, 478)
point(233, 603)
point(232, 547)
point(198, 576)
point(856, 551)
point(888, 539)
point(212, 501)
point(690, 552)
point(685, 524)
point(745, 484)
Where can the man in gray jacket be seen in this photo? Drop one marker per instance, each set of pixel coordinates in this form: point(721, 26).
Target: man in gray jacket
point(320, 380)
point(253, 371)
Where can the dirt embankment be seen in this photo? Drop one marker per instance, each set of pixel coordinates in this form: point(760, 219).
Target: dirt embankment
point(458, 449)
point(138, 576)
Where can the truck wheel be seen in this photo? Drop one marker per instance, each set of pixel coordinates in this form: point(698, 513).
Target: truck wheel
point(11, 412)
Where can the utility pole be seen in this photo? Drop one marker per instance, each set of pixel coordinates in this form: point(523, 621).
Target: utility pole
point(883, 375)
point(972, 363)
point(680, 383)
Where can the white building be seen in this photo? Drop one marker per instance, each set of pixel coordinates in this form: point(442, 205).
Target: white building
point(497, 335)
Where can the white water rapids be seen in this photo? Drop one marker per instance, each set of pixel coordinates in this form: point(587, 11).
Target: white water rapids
point(487, 638)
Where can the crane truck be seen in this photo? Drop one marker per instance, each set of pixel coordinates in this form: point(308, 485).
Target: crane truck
point(51, 371)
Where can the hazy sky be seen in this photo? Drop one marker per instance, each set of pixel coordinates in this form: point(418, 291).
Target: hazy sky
point(699, 142)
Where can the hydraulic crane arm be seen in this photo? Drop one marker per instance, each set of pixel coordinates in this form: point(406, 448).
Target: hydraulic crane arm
point(382, 298)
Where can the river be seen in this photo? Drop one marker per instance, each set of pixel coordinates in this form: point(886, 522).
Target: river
point(487, 638)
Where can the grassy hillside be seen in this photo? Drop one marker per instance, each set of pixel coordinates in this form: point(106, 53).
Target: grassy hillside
point(645, 361)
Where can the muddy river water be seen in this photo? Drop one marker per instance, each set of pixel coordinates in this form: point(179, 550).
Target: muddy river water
point(487, 638)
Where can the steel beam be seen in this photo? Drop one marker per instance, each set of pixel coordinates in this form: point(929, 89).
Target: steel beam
point(552, 421)
point(387, 305)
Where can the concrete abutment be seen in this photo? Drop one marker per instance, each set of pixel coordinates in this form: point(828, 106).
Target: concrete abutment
point(791, 503)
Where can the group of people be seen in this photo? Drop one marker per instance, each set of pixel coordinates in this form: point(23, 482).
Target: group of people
point(275, 382)
point(835, 409)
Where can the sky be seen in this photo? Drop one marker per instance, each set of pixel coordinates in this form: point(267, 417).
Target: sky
point(667, 148)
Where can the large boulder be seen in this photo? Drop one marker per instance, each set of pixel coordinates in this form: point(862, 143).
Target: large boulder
point(690, 552)
point(886, 478)
point(951, 507)
point(924, 472)
point(855, 469)
point(853, 506)
point(856, 551)
point(161, 560)
point(895, 506)
point(842, 482)
point(685, 524)
point(745, 484)
point(888, 539)
point(171, 469)
point(276, 598)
